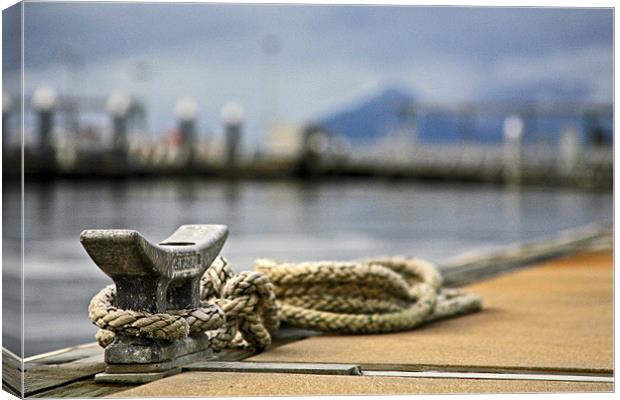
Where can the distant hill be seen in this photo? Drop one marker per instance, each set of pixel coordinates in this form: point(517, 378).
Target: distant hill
point(371, 118)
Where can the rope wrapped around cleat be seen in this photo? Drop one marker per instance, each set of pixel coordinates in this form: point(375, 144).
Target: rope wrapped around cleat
point(235, 309)
point(245, 309)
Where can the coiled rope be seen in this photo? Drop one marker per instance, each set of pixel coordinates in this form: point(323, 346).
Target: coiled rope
point(367, 296)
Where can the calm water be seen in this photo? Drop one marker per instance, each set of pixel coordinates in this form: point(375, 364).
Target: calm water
point(284, 220)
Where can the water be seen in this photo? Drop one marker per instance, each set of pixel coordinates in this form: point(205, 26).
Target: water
point(283, 220)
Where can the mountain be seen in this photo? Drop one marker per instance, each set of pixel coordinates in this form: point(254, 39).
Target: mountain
point(371, 118)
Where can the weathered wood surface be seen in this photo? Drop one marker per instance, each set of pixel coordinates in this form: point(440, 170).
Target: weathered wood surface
point(48, 376)
point(291, 368)
point(63, 355)
point(83, 388)
point(70, 372)
point(604, 372)
point(11, 373)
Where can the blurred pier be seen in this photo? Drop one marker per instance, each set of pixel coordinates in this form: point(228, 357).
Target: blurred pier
point(497, 142)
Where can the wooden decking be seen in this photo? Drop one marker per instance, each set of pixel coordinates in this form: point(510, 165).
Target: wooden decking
point(544, 329)
point(548, 328)
point(70, 372)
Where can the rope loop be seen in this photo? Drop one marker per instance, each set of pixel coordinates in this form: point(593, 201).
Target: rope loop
point(367, 296)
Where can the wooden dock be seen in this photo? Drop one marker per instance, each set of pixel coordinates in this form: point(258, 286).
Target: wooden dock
point(545, 328)
point(523, 341)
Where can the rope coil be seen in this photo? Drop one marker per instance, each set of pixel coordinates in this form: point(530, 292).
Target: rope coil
point(367, 296)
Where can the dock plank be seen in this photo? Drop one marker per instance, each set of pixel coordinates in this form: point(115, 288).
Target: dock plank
point(50, 376)
point(292, 368)
point(65, 355)
point(209, 384)
point(83, 388)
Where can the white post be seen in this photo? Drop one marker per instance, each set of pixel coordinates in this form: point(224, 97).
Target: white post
point(232, 115)
point(568, 150)
point(118, 105)
point(513, 137)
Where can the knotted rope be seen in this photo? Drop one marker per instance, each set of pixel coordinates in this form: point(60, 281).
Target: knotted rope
point(368, 296)
point(235, 309)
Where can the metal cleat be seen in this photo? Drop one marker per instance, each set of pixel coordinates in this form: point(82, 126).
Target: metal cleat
point(154, 278)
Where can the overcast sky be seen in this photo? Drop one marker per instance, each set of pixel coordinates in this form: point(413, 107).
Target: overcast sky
point(330, 56)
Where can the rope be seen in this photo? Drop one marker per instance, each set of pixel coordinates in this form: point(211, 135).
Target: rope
point(367, 296)
point(235, 309)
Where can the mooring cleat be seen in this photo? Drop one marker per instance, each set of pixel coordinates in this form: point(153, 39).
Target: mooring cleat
point(154, 278)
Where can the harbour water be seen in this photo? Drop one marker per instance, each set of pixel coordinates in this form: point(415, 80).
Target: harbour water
point(280, 219)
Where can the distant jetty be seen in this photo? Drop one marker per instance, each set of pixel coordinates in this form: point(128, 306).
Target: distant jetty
point(549, 144)
point(592, 168)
